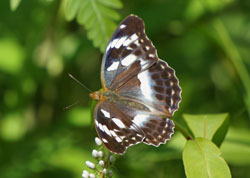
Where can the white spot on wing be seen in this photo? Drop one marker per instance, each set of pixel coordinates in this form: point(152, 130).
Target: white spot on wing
point(162, 66)
point(129, 48)
point(118, 139)
point(113, 66)
point(130, 39)
point(100, 127)
point(120, 42)
point(122, 26)
point(146, 90)
point(113, 133)
point(151, 55)
point(137, 43)
point(134, 37)
point(106, 130)
point(104, 140)
point(172, 92)
point(129, 60)
point(119, 123)
point(143, 62)
point(122, 137)
point(113, 42)
point(106, 114)
point(139, 135)
point(139, 119)
point(171, 102)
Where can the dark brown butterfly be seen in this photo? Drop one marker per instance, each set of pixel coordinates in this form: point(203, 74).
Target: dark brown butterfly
point(140, 91)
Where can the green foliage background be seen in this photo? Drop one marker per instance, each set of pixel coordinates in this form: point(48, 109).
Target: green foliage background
point(207, 42)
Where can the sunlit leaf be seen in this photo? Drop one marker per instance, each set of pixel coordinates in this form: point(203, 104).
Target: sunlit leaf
point(71, 8)
point(112, 3)
point(12, 127)
point(97, 16)
point(11, 56)
point(197, 8)
point(205, 125)
point(14, 4)
point(203, 159)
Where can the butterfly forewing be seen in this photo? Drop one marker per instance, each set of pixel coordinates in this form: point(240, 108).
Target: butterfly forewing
point(128, 45)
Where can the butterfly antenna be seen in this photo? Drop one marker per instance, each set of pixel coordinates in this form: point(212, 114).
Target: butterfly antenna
point(77, 81)
point(70, 106)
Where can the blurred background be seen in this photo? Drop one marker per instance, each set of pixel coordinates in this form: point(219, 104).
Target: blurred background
point(207, 42)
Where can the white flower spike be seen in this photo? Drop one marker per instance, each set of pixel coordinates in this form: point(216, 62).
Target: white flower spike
point(95, 153)
point(101, 163)
point(90, 164)
point(98, 141)
point(85, 174)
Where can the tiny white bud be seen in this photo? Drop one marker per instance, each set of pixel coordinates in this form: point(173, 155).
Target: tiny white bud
point(101, 163)
point(92, 175)
point(100, 154)
point(90, 164)
point(95, 153)
point(112, 158)
point(104, 171)
point(98, 141)
point(85, 174)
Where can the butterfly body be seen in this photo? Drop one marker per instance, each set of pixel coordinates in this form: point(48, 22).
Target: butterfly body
point(140, 91)
point(112, 97)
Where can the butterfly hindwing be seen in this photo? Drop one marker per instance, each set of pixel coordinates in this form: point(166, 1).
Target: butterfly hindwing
point(157, 87)
point(120, 126)
point(115, 128)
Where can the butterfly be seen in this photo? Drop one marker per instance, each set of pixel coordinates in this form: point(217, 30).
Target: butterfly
point(140, 91)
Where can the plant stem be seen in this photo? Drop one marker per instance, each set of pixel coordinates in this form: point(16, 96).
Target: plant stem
point(183, 131)
point(234, 55)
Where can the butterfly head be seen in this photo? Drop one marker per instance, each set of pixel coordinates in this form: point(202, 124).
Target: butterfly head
point(97, 95)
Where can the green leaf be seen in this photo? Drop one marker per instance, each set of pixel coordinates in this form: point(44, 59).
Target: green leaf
point(96, 15)
point(112, 3)
point(236, 147)
point(14, 4)
point(220, 134)
point(203, 159)
point(70, 8)
point(206, 126)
